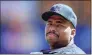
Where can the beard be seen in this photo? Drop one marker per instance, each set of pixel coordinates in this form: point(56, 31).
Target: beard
point(57, 44)
point(52, 37)
point(54, 41)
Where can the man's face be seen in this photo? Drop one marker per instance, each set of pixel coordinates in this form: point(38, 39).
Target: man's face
point(58, 31)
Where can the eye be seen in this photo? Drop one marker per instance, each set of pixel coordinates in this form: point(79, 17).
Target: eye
point(62, 26)
point(59, 25)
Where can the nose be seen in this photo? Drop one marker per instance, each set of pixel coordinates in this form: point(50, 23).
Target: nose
point(52, 28)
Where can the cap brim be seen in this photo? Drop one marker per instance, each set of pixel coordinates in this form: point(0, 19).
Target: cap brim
point(46, 15)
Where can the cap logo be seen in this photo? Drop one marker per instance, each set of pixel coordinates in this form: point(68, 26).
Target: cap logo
point(56, 8)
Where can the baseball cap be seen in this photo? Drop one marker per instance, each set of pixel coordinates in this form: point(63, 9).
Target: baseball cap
point(62, 10)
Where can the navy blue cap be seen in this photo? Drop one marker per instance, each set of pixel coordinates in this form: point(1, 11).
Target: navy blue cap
point(62, 10)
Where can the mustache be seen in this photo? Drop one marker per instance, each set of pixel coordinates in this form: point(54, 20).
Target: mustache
point(53, 33)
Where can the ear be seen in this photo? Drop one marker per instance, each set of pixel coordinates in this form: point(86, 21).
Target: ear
point(73, 33)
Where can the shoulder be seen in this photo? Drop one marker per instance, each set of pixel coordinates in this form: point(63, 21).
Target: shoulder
point(71, 50)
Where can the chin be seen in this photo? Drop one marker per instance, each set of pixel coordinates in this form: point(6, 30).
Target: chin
point(52, 42)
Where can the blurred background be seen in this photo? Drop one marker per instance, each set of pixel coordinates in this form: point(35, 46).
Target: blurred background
point(22, 29)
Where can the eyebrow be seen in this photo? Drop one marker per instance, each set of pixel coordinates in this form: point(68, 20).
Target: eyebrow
point(58, 21)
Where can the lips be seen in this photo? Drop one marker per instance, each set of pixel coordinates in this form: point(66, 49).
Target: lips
point(52, 35)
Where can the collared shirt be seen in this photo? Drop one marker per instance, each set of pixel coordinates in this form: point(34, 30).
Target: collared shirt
point(71, 48)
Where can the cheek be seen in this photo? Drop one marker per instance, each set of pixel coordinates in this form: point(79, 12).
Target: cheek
point(46, 30)
point(64, 34)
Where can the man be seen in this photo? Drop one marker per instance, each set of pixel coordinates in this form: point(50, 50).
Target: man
point(60, 30)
